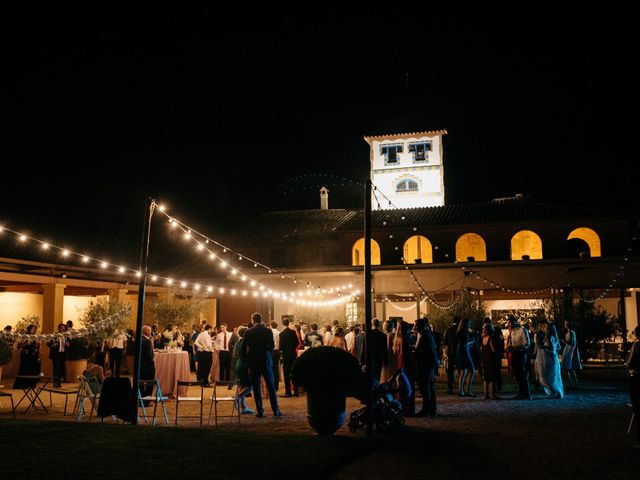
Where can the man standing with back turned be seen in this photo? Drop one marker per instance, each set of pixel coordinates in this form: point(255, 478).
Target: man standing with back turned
point(257, 346)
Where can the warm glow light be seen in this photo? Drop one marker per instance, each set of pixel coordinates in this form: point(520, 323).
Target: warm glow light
point(121, 270)
point(104, 265)
point(196, 287)
point(223, 264)
point(243, 278)
point(183, 284)
point(45, 246)
point(200, 247)
point(85, 259)
point(234, 271)
point(209, 289)
point(187, 235)
point(212, 256)
point(233, 291)
point(23, 238)
point(65, 253)
point(253, 283)
point(154, 278)
point(138, 274)
point(162, 208)
point(221, 290)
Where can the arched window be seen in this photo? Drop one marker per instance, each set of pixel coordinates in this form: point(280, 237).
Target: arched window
point(417, 249)
point(526, 244)
point(589, 237)
point(407, 185)
point(471, 245)
point(357, 252)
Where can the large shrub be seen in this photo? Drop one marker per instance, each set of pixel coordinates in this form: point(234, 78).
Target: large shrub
point(6, 350)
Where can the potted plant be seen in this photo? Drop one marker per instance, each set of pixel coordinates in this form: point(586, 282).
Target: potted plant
point(78, 353)
point(328, 375)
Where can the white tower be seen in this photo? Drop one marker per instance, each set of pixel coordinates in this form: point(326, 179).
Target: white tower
point(407, 168)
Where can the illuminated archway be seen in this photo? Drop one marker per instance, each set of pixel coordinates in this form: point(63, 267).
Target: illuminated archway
point(471, 245)
point(417, 249)
point(524, 244)
point(590, 237)
point(357, 252)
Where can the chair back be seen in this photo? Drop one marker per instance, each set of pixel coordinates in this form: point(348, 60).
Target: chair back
point(225, 385)
point(90, 384)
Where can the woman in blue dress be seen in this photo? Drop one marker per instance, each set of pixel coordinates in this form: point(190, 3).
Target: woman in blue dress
point(464, 361)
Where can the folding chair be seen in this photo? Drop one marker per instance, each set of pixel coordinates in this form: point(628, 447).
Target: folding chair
point(90, 390)
point(62, 391)
point(215, 398)
point(13, 409)
point(187, 398)
point(157, 397)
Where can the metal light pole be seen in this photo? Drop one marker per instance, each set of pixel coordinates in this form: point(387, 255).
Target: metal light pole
point(367, 303)
point(144, 257)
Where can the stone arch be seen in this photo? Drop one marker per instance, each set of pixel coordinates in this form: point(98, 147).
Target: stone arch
point(357, 252)
point(588, 236)
point(471, 245)
point(417, 249)
point(526, 244)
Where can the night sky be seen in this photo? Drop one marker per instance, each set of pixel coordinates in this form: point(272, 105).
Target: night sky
point(223, 121)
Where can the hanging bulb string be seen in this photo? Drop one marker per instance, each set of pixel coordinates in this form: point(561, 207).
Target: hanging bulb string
point(155, 278)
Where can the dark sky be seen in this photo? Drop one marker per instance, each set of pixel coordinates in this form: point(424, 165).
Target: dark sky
point(222, 121)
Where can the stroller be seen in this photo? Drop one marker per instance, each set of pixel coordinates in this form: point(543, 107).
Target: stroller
point(387, 411)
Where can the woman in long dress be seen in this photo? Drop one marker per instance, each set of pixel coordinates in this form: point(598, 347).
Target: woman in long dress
point(242, 374)
point(489, 364)
point(547, 362)
point(390, 368)
point(29, 360)
point(464, 361)
point(403, 347)
point(571, 356)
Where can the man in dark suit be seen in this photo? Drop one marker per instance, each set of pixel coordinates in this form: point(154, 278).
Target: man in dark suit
point(257, 346)
point(427, 362)
point(450, 343)
point(380, 353)
point(288, 352)
point(147, 367)
point(58, 355)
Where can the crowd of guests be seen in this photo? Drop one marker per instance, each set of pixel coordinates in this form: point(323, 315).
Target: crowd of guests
point(536, 356)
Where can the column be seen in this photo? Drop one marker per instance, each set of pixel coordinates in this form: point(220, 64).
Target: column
point(52, 306)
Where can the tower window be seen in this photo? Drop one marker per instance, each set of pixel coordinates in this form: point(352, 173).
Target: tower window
point(407, 186)
point(390, 153)
point(420, 151)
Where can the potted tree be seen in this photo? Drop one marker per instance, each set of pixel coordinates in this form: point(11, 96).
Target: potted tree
point(328, 375)
point(78, 353)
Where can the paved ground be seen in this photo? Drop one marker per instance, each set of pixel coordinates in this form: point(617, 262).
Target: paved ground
point(583, 435)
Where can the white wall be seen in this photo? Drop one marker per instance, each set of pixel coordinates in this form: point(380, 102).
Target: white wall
point(14, 306)
point(73, 306)
point(429, 175)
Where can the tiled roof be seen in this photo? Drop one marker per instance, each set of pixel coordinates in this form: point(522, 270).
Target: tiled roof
point(287, 225)
point(395, 136)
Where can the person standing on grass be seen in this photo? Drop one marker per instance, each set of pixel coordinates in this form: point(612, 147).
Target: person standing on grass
point(571, 355)
point(257, 346)
point(518, 346)
point(450, 349)
point(633, 365)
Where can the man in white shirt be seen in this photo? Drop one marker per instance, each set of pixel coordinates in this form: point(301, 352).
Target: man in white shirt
point(117, 345)
point(350, 338)
point(275, 354)
point(518, 345)
point(223, 340)
point(204, 346)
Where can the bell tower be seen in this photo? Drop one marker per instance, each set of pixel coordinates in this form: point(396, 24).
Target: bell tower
point(408, 169)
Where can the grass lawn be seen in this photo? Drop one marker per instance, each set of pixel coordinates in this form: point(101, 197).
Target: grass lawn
point(34, 449)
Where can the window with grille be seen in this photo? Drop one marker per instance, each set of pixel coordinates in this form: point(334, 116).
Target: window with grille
point(407, 186)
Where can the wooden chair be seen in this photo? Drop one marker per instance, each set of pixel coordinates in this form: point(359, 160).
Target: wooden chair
point(13, 409)
point(187, 398)
point(156, 397)
point(216, 398)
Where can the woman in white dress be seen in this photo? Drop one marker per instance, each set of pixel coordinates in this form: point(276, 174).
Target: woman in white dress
point(571, 356)
point(547, 362)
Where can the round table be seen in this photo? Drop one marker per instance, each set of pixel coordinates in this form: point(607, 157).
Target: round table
point(171, 367)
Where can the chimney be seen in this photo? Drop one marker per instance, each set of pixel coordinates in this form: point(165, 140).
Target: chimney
point(324, 198)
